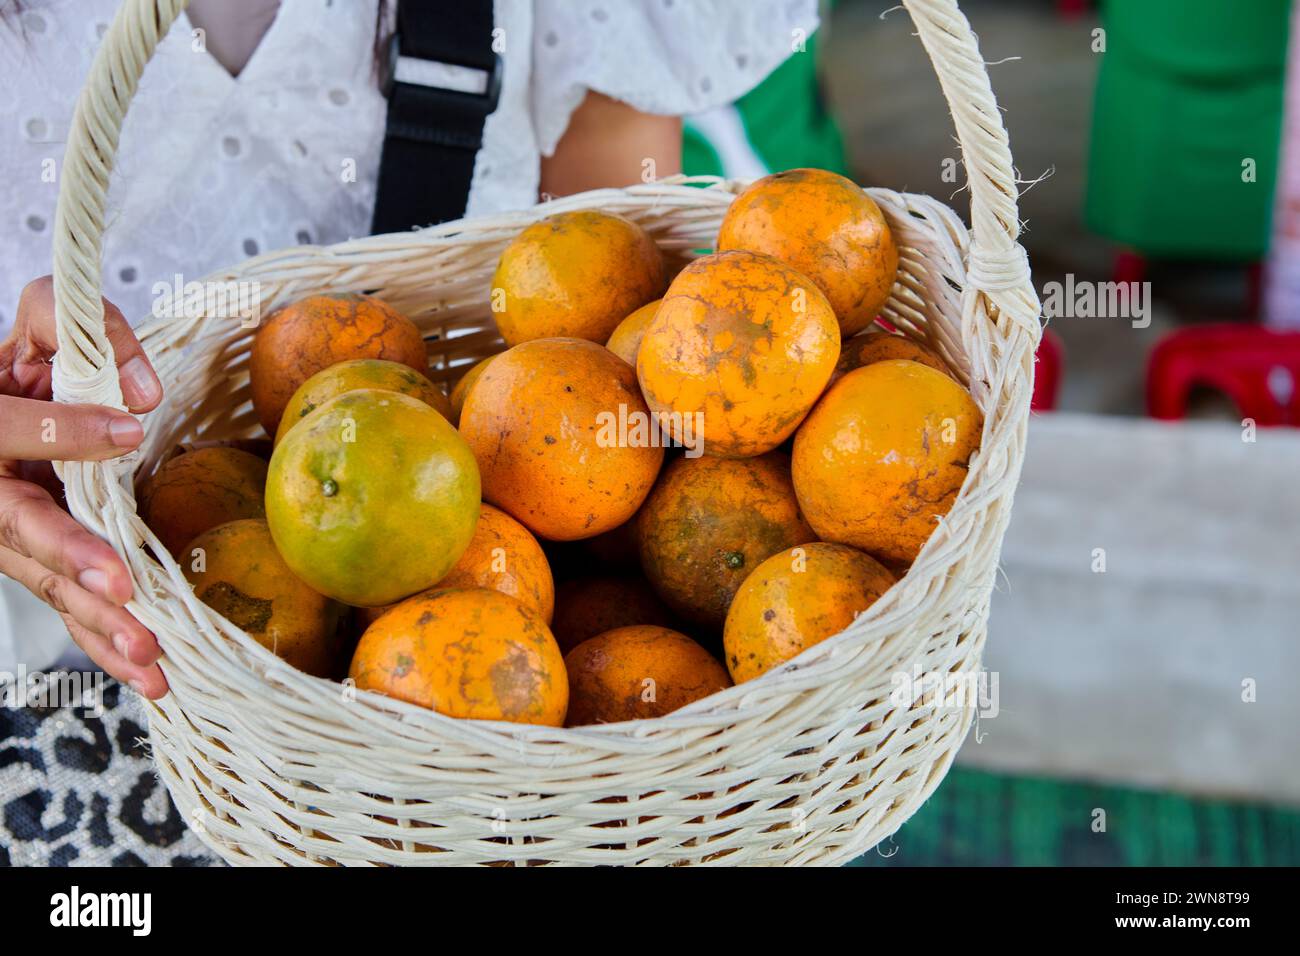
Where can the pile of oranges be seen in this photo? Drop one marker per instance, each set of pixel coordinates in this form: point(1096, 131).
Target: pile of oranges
point(675, 477)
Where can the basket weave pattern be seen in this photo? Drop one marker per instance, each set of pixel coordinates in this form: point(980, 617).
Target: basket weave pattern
point(812, 763)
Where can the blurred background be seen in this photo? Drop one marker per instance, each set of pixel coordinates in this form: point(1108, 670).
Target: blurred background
point(1143, 636)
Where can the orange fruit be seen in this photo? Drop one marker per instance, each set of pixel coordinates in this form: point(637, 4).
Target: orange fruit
point(881, 346)
point(826, 227)
point(462, 387)
point(883, 455)
point(574, 274)
point(542, 421)
point(302, 338)
point(235, 569)
point(503, 556)
point(360, 373)
point(257, 447)
point(709, 522)
point(585, 607)
point(626, 339)
point(466, 652)
point(638, 672)
point(796, 599)
point(372, 497)
point(741, 346)
point(199, 490)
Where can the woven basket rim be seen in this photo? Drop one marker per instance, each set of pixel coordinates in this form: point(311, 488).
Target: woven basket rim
point(721, 707)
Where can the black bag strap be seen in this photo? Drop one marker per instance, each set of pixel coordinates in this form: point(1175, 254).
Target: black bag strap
point(434, 133)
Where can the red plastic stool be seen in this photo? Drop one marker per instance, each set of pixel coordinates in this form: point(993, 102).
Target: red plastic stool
point(1047, 372)
point(1130, 266)
point(1256, 367)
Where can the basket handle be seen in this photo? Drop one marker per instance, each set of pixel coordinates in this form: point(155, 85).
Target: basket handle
point(998, 267)
point(84, 370)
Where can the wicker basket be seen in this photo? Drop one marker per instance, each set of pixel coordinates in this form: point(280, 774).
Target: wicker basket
point(811, 763)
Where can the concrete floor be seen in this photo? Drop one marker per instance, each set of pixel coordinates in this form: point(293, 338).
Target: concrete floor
point(898, 133)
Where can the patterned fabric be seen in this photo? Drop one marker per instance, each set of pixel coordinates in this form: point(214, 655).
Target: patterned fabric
point(78, 788)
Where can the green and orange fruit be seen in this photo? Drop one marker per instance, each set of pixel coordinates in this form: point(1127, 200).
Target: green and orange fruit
point(372, 497)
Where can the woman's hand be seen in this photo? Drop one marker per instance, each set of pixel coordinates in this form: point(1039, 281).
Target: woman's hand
point(41, 546)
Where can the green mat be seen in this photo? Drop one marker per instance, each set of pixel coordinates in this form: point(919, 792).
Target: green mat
point(983, 819)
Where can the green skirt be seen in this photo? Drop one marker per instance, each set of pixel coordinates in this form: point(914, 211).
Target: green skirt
point(1186, 126)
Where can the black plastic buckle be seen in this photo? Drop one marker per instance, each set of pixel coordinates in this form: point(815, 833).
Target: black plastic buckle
point(484, 103)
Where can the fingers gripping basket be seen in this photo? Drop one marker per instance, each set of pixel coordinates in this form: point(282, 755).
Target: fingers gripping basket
point(812, 763)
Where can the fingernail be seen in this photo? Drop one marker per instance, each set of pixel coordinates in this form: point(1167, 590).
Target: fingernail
point(139, 383)
point(119, 644)
point(125, 431)
point(137, 686)
point(95, 581)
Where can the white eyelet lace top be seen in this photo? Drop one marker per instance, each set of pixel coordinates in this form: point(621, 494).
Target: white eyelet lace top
point(213, 169)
